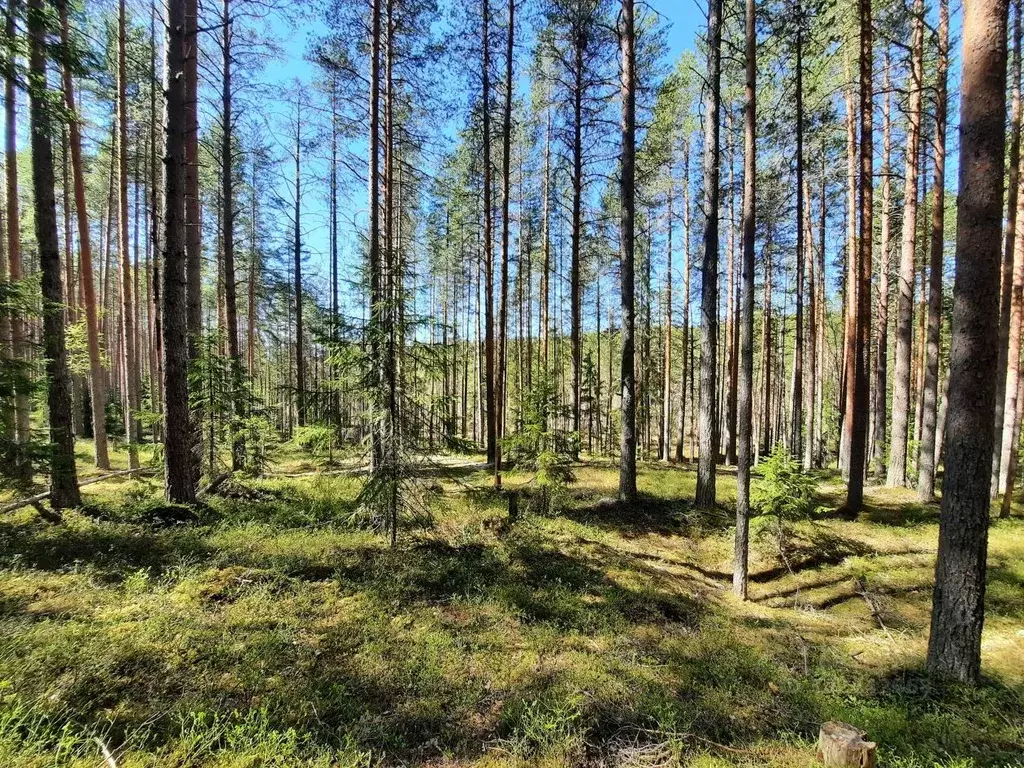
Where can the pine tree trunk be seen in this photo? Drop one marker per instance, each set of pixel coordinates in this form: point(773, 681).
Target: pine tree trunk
point(897, 472)
point(228, 203)
point(708, 452)
point(796, 414)
point(849, 327)
point(926, 456)
point(881, 363)
point(178, 435)
point(958, 600)
point(685, 345)
point(193, 226)
point(96, 375)
point(666, 380)
point(488, 250)
point(1009, 432)
point(746, 369)
point(300, 352)
point(627, 162)
point(506, 170)
point(19, 333)
point(128, 351)
point(64, 491)
point(862, 321)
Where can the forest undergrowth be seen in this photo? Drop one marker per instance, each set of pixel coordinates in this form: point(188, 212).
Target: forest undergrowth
point(277, 628)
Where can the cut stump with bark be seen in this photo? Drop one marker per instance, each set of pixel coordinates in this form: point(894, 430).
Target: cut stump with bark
point(842, 746)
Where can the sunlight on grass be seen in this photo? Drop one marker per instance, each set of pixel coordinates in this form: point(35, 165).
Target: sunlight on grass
point(280, 630)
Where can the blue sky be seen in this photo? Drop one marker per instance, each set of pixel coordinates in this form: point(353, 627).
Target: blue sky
point(682, 19)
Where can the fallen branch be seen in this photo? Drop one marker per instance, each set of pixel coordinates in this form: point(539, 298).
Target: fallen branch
point(216, 483)
point(33, 500)
point(862, 590)
point(108, 757)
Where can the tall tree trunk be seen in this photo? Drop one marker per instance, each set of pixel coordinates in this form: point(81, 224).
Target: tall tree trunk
point(849, 329)
point(686, 301)
point(882, 328)
point(178, 436)
point(300, 353)
point(193, 226)
point(958, 600)
point(488, 249)
point(96, 387)
point(579, 44)
point(506, 170)
point(1011, 411)
point(627, 192)
point(708, 453)
point(926, 455)
point(1006, 279)
point(897, 474)
point(19, 333)
point(63, 473)
point(666, 381)
point(228, 203)
point(746, 370)
point(128, 351)
point(374, 257)
point(862, 321)
point(796, 414)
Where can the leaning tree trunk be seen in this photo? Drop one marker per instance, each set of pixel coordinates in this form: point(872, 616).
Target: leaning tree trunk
point(63, 474)
point(627, 192)
point(958, 600)
point(708, 452)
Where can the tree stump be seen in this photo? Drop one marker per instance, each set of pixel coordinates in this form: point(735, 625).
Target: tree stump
point(843, 746)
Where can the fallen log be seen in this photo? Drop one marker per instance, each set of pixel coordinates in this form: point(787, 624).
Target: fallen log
point(33, 500)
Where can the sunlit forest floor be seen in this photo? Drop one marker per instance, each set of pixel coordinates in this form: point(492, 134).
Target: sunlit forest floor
point(277, 630)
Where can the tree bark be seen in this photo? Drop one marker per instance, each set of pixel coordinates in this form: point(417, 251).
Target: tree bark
point(19, 341)
point(228, 203)
point(506, 170)
point(746, 369)
point(862, 321)
point(1009, 433)
point(64, 491)
point(796, 413)
point(128, 351)
point(1006, 278)
point(881, 362)
point(627, 452)
point(685, 345)
point(96, 375)
point(178, 436)
point(897, 472)
point(488, 250)
point(708, 452)
point(926, 454)
point(958, 600)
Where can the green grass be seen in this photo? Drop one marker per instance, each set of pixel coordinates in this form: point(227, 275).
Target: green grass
point(278, 631)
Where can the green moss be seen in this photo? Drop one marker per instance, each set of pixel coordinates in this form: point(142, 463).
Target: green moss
point(278, 630)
